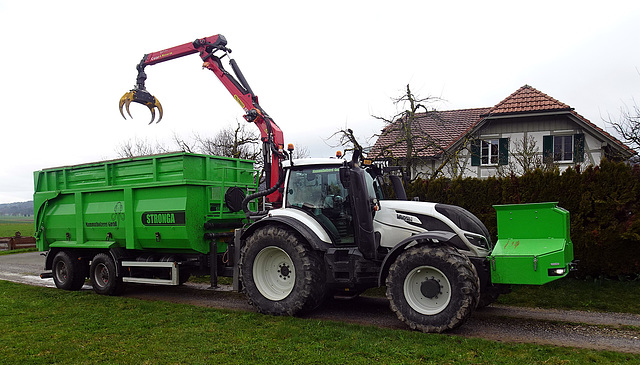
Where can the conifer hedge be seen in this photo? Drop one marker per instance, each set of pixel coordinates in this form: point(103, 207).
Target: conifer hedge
point(603, 201)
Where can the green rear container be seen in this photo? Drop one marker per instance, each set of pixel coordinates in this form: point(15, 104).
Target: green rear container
point(158, 202)
point(534, 246)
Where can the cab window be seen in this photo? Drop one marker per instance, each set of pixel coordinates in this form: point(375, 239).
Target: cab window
point(318, 191)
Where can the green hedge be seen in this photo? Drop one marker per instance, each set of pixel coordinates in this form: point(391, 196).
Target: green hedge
point(604, 202)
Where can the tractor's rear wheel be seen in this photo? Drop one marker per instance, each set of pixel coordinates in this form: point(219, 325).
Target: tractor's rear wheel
point(280, 272)
point(433, 288)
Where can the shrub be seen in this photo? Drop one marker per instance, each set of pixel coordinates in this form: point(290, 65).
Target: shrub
point(604, 203)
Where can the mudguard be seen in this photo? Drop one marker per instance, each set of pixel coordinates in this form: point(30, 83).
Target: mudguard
point(440, 236)
point(315, 242)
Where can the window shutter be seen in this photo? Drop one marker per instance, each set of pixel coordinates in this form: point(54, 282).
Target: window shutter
point(578, 148)
point(503, 151)
point(475, 152)
point(547, 149)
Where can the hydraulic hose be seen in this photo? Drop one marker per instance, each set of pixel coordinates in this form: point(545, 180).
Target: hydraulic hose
point(245, 202)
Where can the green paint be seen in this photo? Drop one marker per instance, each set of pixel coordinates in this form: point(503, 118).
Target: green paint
point(156, 202)
point(534, 245)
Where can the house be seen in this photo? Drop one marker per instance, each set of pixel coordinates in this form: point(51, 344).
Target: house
point(527, 129)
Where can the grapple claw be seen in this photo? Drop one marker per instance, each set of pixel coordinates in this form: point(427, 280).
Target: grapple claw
point(153, 114)
point(125, 100)
point(141, 97)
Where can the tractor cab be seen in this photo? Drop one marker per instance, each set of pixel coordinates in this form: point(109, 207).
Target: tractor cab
point(340, 197)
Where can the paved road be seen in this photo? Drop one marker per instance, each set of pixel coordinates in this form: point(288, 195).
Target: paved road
point(600, 331)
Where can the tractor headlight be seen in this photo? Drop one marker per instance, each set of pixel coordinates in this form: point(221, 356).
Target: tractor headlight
point(477, 240)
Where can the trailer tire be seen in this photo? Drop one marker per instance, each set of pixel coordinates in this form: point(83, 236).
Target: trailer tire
point(281, 273)
point(433, 288)
point(67, 271)
point(103, 275)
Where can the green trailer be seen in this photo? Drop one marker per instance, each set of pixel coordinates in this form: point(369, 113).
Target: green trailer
point(172, 205)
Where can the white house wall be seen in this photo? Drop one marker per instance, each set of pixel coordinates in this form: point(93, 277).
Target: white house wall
point(518, 128)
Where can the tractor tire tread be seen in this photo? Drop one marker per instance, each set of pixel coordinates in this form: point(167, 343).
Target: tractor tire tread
point(465, 283)
point(308, 292)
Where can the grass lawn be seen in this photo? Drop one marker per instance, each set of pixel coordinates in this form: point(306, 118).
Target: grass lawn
point(43, 325)
point(22, 250)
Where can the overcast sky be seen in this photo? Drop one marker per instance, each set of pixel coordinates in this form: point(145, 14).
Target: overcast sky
point(316, 66)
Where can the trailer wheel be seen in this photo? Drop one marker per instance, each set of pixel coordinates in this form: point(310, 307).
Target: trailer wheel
point(280, 272)
point(67, 271)
point(433, 288)
point(103, 275)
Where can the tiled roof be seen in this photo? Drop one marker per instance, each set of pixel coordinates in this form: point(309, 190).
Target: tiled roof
point(438, 130)
point(527, 99)
point(433, 132)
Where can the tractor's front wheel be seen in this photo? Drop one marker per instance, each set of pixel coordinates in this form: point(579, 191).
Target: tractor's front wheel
point(280, 272)
point(433, 288)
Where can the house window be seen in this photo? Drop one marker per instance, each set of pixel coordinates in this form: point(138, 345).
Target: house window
point(562, 148)
point(489, 152)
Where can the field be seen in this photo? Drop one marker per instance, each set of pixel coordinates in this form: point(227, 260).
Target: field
point(9, 225)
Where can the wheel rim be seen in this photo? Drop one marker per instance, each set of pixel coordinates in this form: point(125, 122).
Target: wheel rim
point(101, 275)
point(274, 273)
point(62, 272)
point(427, 290)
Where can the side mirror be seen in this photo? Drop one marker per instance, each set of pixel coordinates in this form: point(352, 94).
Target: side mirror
point(345, 177)
point(398, 188)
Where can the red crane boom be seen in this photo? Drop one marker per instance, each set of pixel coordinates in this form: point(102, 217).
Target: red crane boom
point(271, 135)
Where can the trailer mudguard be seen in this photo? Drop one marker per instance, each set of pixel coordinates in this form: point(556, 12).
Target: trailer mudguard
point(98, 245)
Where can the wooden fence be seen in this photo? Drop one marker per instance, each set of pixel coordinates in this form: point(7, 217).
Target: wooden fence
point(17, 242)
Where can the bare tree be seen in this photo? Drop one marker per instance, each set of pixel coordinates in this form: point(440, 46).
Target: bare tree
point(232, 141)
point(300, 151)
point(525, 157)
point(138, 147)
point(409, 136)
point(454, 161)
point(184, 145)
point(628, 125)
point(346, 140)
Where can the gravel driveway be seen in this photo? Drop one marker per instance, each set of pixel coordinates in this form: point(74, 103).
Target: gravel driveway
point(601, 331)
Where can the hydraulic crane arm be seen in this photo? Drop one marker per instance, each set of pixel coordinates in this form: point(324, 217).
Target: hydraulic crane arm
point(271, 135)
